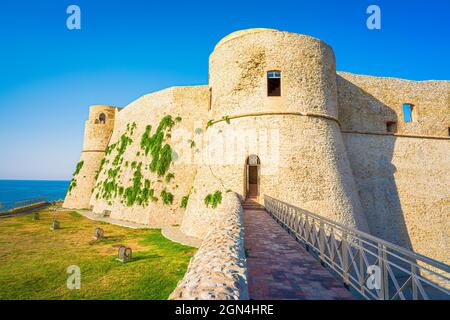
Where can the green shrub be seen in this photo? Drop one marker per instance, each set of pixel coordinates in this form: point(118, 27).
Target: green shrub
point(191, 143)
point(166, 197)
point(169, 177)
point(184, 201)
point(226, 119)
point(213, 199)
point(78, 168)
point(73, 184)
point(153, 144)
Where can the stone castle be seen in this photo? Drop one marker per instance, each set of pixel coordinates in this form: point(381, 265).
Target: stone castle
point(276, 119)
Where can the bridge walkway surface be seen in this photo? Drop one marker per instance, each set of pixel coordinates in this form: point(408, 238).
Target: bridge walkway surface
point(279, 267)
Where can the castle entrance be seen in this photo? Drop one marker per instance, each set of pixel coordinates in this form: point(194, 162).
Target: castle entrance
point(252, 176)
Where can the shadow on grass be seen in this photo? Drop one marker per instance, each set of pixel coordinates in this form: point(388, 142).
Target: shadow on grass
point(108, 240)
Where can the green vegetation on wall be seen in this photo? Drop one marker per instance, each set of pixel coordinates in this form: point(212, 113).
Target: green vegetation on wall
point(73, 182)
point(166, 197)
point(169, 177)
point(226, 119)
point(213, 199)
point(140, 191)
point(78, 168)
point(184, 201)
point(153, 144)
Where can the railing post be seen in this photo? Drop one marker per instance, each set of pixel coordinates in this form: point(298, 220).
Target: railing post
point(306, 232)
point(361, 265)
point(345, 258)
point(384, 285)
point(385, 273)
point(332, 249)
point(322, 242)
point(413, 281)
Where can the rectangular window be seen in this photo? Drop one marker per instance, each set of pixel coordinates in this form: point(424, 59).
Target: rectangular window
point(408, 112)
point(274, 83)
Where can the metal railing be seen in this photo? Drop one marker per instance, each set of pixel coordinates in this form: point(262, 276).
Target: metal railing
point(375, 268)
point(28, 202)
point(9, 206)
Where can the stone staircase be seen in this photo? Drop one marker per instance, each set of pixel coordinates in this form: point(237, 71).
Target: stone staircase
point(251, 203)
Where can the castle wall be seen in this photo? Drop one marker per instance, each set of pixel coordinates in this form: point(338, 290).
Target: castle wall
point(402, 177)
point(403, 184)
point(191, 104)
point(366, 103)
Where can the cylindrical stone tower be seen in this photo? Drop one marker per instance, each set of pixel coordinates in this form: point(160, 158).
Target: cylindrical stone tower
point(97, 132)
point(274, 107)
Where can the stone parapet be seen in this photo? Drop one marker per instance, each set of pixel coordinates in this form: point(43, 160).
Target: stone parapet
point(218, 271)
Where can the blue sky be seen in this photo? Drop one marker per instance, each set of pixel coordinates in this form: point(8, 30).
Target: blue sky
point(50, 75)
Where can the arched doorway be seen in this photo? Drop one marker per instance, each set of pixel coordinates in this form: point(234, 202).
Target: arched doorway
point(252, 176)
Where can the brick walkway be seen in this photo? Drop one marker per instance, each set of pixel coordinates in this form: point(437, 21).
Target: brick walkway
point(280, 268)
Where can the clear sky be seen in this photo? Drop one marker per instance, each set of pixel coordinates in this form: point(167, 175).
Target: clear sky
point(127, 48)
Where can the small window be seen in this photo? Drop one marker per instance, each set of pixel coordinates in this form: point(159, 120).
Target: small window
point(391, 126)
point(274, 83)
point(408, 112)
point(102, 118)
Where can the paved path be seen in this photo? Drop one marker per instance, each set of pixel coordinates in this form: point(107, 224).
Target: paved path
point(280, 268)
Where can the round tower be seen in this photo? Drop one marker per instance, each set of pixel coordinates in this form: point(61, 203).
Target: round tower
point(97, 132)
point(274, 128)
point(265, 70)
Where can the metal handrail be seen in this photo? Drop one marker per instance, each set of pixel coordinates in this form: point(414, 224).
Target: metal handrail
point(375, 268)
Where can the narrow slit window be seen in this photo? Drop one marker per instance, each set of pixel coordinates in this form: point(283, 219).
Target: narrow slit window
point(391, 126)
point(274, 83)
point(408, 112)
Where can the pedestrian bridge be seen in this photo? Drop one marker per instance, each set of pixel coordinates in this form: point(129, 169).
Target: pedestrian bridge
point(296, 254)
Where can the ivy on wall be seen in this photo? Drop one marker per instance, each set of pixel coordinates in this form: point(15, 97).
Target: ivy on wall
point(184, 201)
point(140, 191)
point(73, 182)
point(213, 199)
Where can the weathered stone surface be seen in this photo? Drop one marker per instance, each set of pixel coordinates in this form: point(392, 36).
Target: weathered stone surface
point(99, 233)
point(124, 254)
point(218, 269)
point(55, 225)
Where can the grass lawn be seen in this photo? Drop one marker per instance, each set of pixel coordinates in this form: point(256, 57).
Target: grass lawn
point(34, 259)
